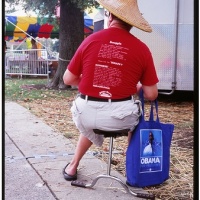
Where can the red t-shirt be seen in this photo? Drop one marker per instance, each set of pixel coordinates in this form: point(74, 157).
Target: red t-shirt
point(112, 62)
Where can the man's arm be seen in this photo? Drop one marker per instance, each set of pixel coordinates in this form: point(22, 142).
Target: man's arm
point(71, 79)
point(150, 92)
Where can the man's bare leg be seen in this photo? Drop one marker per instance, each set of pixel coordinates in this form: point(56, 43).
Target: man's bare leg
point(82, 146)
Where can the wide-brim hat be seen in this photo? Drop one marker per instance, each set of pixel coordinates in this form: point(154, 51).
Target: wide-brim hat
point(127, 11)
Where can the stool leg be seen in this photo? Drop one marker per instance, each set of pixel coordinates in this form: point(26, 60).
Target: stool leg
point(127, 189)
point(110, 156)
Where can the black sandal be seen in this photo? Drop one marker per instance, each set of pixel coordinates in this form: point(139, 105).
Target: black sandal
point(69, 177)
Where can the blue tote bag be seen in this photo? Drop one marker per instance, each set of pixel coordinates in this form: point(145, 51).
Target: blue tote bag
point(148, 153)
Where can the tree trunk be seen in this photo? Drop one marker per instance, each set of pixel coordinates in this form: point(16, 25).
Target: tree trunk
point(71, 34)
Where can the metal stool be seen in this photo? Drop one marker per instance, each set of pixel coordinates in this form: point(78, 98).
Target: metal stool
point(112, 134)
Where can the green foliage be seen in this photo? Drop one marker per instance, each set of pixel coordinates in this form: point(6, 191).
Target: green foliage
point(47, 7)
point(26, 90)
point(83, 4)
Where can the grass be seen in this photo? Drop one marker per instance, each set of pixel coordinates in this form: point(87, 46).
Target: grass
point(17, 90)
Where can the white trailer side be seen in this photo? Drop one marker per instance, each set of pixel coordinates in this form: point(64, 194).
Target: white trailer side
point(171, 41)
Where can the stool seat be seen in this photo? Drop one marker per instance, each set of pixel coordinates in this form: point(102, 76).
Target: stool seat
point(115, 133)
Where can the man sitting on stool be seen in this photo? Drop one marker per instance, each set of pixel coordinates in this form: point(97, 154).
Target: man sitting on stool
point(109, 67)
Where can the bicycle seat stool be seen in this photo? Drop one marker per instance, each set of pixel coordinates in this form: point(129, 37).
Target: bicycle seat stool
point(112, 134)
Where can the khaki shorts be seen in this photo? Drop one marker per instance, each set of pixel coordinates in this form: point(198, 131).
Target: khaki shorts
point(88, 115)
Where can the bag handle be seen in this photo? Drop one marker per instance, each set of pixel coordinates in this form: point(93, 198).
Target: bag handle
point(155, 102)
point(151, 117)
point(142, 102)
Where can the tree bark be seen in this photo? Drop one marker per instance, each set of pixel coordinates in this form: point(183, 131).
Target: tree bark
point(71, 34)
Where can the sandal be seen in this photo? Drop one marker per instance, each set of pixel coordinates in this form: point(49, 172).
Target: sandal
point(69, 177)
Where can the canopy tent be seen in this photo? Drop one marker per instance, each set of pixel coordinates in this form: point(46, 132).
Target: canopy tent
point(88, 24)
point(98, 20)
point(19, 27)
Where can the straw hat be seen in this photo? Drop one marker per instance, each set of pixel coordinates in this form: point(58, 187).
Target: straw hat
point(128, 11)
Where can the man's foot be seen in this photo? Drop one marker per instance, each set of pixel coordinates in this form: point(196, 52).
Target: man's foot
point(67, 176)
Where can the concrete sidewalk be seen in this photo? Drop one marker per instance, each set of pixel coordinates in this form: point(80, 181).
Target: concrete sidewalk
point(34, 158)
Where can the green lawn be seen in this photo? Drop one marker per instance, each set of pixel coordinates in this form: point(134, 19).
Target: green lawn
point(24, 89)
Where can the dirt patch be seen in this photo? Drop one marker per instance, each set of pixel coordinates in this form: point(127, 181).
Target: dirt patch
point(34, 87)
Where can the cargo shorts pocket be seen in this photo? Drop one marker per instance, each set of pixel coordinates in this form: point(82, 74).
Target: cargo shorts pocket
point(121, 115)
point(132, 111)
point(75, 114)
point(74, 109)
